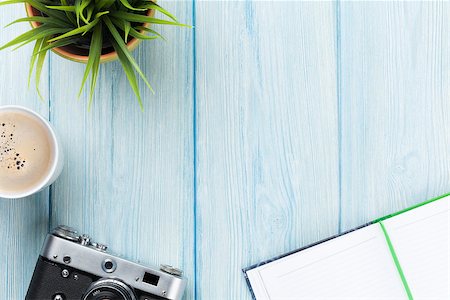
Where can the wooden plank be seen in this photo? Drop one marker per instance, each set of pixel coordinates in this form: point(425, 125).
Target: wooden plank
point(128, 179)
point(395, 103)
point(267, 127)
point(24, 221)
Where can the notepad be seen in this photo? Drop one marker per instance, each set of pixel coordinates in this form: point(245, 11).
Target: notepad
point(405, 255)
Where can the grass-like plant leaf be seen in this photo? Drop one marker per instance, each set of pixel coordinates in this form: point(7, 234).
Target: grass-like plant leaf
point(133, 32)
point(39, 5)
point(42, 20)
point(89, 12)
point(77, 11)
point(62, 8)
point(60, 43)
point(128, 5)
point(144, 19)
point(68, 14)
point(143, 28)
point(125, 50)
point(126, 28)
point(39, 64)
point(95, 51)
point(80, 7)
point(104, 4)
point(136, 34)
point(80, 30)
point(37, 47)
point(32, 35)
point(153, 5)
point(129, 72)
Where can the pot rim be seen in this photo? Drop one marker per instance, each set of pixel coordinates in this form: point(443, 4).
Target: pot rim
point(111, 56)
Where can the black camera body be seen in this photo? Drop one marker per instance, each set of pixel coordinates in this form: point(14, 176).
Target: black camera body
point(72, 267)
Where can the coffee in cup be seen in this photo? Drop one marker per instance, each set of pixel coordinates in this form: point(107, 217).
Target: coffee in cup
point(30, 154)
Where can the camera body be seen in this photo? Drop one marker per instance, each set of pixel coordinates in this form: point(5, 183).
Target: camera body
point(73, 267)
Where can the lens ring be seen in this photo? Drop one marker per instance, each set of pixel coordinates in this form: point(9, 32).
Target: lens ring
point(108, 288)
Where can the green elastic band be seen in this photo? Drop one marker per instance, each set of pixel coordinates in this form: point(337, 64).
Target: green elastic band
point(410, 208)
point(396, 261)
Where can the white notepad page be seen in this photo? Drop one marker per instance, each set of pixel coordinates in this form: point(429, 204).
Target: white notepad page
point(359, 265)
point(421, 239)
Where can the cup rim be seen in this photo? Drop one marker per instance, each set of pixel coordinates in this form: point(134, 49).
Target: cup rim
point(55, 149)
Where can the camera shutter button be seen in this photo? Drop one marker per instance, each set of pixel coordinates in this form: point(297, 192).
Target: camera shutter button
point(85, 240)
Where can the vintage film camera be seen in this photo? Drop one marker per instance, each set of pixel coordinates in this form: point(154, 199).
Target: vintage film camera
point(73, 267)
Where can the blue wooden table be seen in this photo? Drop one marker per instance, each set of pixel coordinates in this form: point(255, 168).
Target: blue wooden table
point(274, 125)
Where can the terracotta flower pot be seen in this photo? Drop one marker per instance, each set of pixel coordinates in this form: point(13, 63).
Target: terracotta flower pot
point(78, 54)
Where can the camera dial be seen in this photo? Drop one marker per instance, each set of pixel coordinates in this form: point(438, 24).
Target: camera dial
point(67, 233)
point(109, 289)
point(171, 270)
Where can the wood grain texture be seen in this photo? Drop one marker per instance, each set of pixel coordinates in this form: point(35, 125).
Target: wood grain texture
point(267, 135)
point(128, 179)
point(395, 106)
point(24, 222)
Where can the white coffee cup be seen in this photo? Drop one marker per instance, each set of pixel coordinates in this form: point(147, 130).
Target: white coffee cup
point(54, 155)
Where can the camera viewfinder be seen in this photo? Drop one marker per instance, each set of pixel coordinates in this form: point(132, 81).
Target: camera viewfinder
point(151, 279)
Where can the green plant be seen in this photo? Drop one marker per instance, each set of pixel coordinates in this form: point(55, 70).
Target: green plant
point(93, 22)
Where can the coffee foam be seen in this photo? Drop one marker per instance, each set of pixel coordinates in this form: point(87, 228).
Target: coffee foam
point(26, 151)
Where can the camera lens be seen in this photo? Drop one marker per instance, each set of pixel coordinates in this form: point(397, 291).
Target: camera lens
point(106, 294)
point(109, 289)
